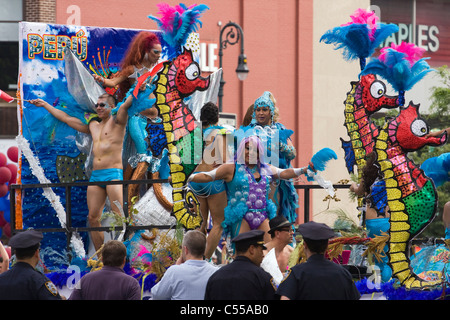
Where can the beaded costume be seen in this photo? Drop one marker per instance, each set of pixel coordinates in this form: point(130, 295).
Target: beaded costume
point(247, 199)
point(288, 198)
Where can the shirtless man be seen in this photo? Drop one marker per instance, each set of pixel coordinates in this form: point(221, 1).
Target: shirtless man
point(107, 134)
point(282, 234)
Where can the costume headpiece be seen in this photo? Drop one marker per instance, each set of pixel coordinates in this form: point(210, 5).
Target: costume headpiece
point(401, 66)
point(360, 37)
point(263, 101)
point(177, 23)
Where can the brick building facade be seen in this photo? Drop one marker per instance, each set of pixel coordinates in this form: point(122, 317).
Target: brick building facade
point(40, 11)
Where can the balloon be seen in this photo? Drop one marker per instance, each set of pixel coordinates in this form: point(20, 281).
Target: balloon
point(7, 232)
point(3, 160)
point(3, 190)
point(5, 175)
point(13, 168)
point(3, 222)
point(13, 153)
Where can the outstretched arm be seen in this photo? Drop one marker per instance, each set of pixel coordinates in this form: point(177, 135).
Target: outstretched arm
point(438, 133)
point(110, 83)
point(122, 113)
point(72, 122)
point(286, 174)
point(224, 172)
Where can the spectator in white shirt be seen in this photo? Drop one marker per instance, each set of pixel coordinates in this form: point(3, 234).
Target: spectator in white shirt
point(186, 280)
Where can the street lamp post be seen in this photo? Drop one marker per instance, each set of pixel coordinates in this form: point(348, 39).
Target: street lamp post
point(232, 37)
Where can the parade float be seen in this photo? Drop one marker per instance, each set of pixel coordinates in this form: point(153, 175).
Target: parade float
point(57, 63)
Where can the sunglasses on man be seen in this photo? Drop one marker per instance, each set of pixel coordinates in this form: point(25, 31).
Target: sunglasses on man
point(101, 105)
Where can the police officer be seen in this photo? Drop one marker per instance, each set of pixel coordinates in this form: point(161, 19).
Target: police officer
point(318, 278)
point(243, 279)
point(23, 281)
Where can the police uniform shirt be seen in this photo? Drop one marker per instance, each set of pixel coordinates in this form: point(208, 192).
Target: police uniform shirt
point(23, 282)
point(318, 279)
point(240, 280)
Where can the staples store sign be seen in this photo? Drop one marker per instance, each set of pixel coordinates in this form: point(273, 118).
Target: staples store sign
point(427, 37)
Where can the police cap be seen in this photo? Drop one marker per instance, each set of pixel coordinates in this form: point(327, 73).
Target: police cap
point(255, 237)
point(26, 239)
point(315, 231)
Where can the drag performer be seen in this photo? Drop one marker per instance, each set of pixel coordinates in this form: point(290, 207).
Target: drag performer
point(142, 55)
point(265, 125)
point(212, 195)
point(247, 182)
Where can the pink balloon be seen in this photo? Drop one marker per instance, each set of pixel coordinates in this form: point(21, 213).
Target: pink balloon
point(7, 233)
point(13, 153)
point(3, 222)
point(13, 168)
point(3, 160)
point(3, 190)
point(5, 174)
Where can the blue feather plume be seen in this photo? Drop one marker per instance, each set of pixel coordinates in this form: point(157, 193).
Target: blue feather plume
point(177, 25)
point(321, 158)
point(396, 69)
point(354, 39)
point(438, 168)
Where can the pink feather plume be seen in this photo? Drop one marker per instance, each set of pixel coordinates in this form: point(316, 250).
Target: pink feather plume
point(167, 13)
point(363, 16)
point(413, 53)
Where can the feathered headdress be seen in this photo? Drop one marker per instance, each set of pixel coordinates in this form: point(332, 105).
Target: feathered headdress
point(401, 66)
point(264, 101)
point(177, 23)
point(360, 37)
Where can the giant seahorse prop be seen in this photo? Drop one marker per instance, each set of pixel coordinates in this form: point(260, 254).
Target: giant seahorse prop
point(365, 97)
point(178, 79)
point(411, 195)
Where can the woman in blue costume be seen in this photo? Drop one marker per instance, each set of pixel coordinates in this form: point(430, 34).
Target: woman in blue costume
point(279, 147)
point(247, 182)
point(142, 55)
point(376, 215)
point(211, 195)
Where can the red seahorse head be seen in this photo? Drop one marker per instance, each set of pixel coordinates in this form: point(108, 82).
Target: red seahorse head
point(410, 131)
point(373, 94)
point(185, 75)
